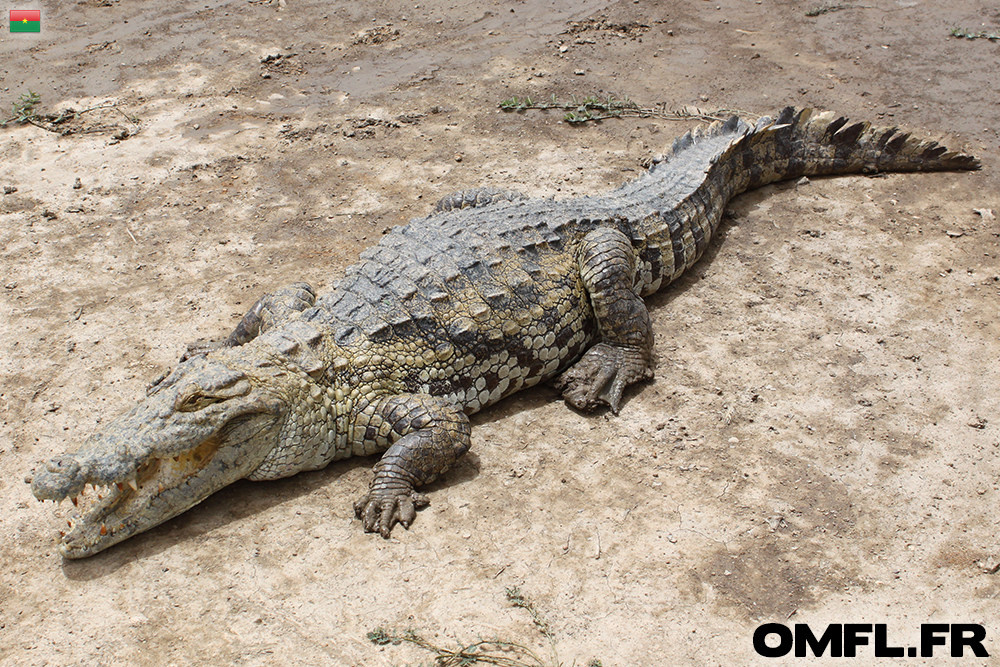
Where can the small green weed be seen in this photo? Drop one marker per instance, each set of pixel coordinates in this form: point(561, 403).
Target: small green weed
point(515, 597)
point(589, 108)
point(826, 8)
point(484, 651)
point(24, 109)
point(982, 34)
point(379, 636)
point(592, 108)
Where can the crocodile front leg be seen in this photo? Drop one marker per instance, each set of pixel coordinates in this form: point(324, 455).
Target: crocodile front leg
point(269, 310)
point(624, 355)
point(427, 436)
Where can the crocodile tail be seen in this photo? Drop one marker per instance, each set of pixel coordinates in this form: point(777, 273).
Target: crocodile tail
point(804, 142)
point(689, 186)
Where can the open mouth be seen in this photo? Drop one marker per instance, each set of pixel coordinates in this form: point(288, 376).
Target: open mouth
point(109, 513)
point(102, 510)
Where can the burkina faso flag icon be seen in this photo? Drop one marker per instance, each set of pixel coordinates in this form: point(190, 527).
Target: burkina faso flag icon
point(25, 20)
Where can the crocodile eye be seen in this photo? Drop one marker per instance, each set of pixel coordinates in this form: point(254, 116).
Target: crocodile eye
point(194, 401)
point(194, 396)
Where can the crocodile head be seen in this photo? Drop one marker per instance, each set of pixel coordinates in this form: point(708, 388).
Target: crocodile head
point(203, 427)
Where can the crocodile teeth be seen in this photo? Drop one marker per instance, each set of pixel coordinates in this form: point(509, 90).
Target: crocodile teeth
point(121, 487)
point(76, 502)
point(132, 483)
point(104, 529)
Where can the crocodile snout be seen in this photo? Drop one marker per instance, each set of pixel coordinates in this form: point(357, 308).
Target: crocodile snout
point(62, 477)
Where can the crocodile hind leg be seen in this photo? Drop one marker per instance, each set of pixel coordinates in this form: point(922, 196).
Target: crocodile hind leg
point(624, 353)
point(427, 436)
point(269, 310)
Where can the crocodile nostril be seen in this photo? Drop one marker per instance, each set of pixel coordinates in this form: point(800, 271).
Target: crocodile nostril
point(62, 465)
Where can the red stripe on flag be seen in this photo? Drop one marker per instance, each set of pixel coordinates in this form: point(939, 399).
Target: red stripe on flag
point(19, 15)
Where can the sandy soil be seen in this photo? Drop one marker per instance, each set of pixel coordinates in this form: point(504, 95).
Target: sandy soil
point(820, 444)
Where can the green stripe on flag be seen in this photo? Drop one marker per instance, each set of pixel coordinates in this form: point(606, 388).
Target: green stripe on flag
point(25, 26)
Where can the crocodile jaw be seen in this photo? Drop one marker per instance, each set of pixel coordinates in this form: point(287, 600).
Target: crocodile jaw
point(157, 490)
point(156, 461)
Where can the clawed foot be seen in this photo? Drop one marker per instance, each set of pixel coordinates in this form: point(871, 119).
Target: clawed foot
point(380, 510)
point(600, 377)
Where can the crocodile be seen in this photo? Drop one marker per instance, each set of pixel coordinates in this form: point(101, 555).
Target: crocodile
point(490, 294)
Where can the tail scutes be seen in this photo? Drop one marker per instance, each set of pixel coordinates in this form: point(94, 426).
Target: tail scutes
point(811, 142)
point(839, 146)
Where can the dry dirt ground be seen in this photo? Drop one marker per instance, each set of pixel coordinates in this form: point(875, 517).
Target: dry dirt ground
point(820, 444)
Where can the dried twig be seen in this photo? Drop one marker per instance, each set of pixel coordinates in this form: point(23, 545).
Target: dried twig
point(25, 112)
